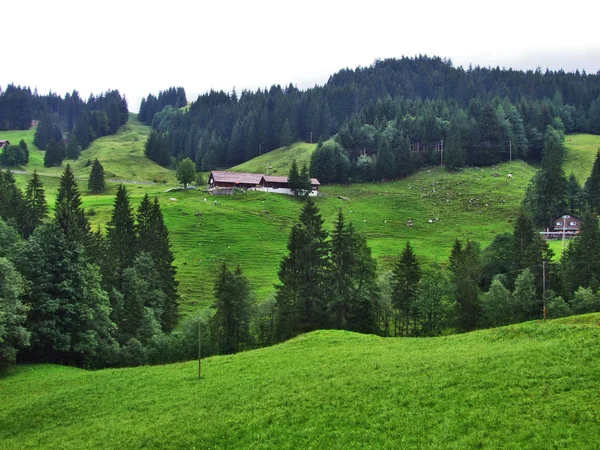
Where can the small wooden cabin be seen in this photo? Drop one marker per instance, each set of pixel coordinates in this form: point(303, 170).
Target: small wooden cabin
point(274, 182)
point(565, 225)
point(234, 179)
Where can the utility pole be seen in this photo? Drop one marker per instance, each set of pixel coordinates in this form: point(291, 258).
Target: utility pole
point(199, 347)
point(260, 149)
point(510, 152)
point(544, 285)
point(442, 154)
point(311, 137)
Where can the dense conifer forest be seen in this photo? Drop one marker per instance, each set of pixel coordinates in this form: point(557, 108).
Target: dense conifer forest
point(387, 119)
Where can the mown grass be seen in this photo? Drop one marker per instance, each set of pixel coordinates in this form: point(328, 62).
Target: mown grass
point(580, 155)
point(279, 161)
point(251, 229)
point(533, 385)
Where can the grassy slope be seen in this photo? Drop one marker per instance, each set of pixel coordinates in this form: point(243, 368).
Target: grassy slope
point(533, 385)
point(279, 161)
point(122, 155)
point(580, 155)
point(252, 229)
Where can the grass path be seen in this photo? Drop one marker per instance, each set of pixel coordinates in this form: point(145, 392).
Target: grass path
point(533, 385)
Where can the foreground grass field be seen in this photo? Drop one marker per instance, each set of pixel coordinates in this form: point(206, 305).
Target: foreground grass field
point(533, 385)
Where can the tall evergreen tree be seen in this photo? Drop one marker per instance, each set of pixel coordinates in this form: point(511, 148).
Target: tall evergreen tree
point(35, 204)
point(121, 238)
point(302, 295)
point(96, 181)
point(592, 186)
point(354, 291)
point(466, 277)
point(230, 325)
point(153, 238)
point(13, 313)
point(294, 178)
point(69, 312)
point(55, 154)
point(11, 201)
point(405, 282)
point(70, 215)
point(575, 195)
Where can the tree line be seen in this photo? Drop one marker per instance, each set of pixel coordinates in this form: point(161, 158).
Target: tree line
point(385, 109)
point(66, 126)
point(92, 298)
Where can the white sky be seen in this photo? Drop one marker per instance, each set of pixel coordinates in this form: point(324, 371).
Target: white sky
point(140, 47)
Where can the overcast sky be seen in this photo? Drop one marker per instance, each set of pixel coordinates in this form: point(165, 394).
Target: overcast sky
point(139, 48)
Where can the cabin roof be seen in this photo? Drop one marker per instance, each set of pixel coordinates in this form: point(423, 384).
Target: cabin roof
point(236, 177)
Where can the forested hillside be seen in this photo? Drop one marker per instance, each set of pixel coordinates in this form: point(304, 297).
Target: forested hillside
point(389, 118)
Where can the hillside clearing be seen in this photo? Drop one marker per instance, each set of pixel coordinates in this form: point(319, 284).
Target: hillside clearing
point(278, 162)
point(533, 385)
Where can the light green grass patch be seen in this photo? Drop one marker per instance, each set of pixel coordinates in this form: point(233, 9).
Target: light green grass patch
point(533, 385)
point(278, 162)
point(580, 154)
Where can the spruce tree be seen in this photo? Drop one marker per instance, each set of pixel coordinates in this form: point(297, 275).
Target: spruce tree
point(12, 208)
point(69, 315)
point(592, 186)
point(466, 270)
point(285, 137)
point(121, 237)
point(55, 154)
point(13, 313)
point(305, 181)
point(302, 294)
point(70, 215)
point(96, 182)
point(575, 195)
point(35, 204)
point(294, 178)
point(153, 238)
point(405, 282)
point(230, 325)
point(25, 152)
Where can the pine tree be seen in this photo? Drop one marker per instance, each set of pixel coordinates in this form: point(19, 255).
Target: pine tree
point(70, 215)
point(302, 295)
point(121, 238)
point(69, 317)
point(294, 178)
point(466, 277)
point(575, 195)
point(11, 201)
point(230, 325)
point(13, 313)
point(55, 154)
point(405, 282)
point(592, 186)
point(305, 181)
point(285, 137)
point(153, 238)
point(25, 152)
point(96, 181)
point(35, 204)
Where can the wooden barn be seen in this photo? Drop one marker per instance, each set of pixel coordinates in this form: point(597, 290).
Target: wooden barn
point(563, 226)
point(4, 143)
point(234, 179)
point(274, 182)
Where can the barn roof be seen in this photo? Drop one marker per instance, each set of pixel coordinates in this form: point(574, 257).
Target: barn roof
point(236, 177)
point(275, 179)
point(3, 142)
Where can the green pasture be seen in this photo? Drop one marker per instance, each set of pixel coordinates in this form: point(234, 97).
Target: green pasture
point(251, 229)
point(580, 154)
point(532, 385)
point(278, 162)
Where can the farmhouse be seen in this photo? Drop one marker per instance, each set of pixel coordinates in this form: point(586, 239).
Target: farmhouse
point(563, 226)
point(258, 182)
point(4, 143)
point(234, 179)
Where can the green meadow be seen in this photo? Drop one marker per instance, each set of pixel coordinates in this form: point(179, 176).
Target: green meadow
point(580, 155)
point(278, 162)
point(532, 385)
point(251, 229)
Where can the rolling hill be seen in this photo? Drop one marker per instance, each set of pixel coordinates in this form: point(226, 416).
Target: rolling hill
point(251, 229)
point(278, 162)
point(532, 385)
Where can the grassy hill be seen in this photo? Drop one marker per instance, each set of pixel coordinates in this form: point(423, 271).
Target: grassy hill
point(279, 161)
point(533, 385)
point(580, 155)
point(252, 229)
point(121, 154)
